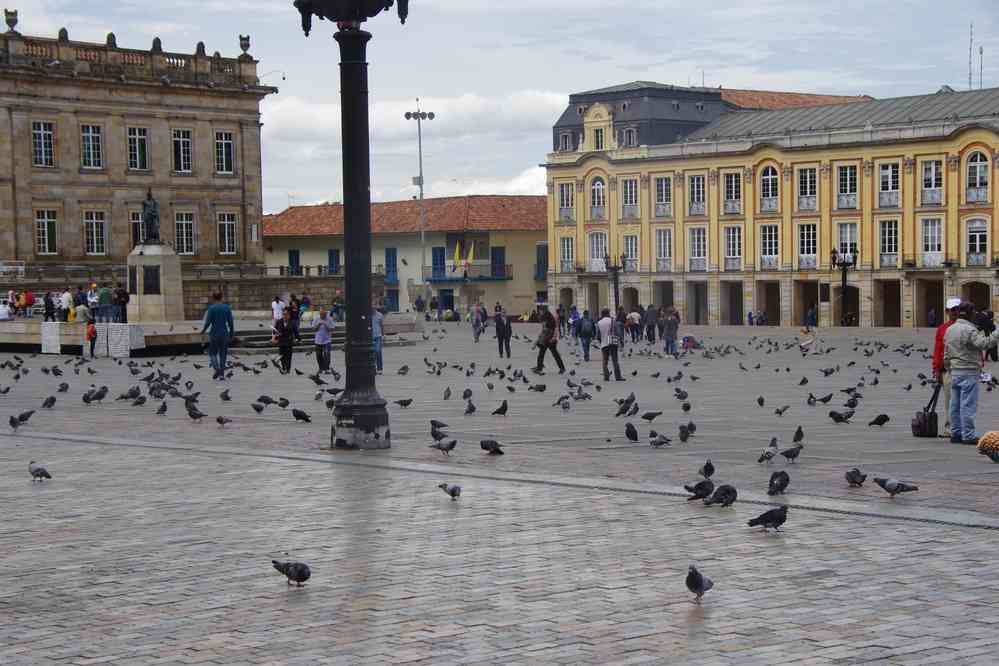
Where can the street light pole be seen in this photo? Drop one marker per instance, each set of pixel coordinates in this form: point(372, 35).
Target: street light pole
point(843, 263)
point(615, 270)
point(419, 116)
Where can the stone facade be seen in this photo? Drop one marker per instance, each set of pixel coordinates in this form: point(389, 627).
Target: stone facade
point(87, 129)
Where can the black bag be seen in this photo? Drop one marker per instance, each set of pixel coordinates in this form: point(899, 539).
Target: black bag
point(924, 423)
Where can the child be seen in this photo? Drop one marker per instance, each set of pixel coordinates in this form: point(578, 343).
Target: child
point(92, 336)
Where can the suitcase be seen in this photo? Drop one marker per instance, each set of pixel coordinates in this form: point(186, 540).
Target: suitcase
point(924, 423)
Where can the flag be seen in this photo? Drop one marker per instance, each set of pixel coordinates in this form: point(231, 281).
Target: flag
point(457, 256)
point(471, 254)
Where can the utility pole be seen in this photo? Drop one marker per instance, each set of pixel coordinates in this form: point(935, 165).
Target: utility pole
point(419, 116)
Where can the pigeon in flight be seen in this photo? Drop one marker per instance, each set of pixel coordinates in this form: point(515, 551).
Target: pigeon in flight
point(38, 473)
point(724, 495)
point(878, 420)
point(700, 490)
point(855, 478)
point(778, 483)
point(697, 583)
point(404, 403)
point(894, 486)
point(295, 572)
point(453, 491)
point(301, 416)
point(773, 518)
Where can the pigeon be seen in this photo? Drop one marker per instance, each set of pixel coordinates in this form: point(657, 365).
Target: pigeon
point(257, 407)
point(491, 446)
point(444, 447)
point(841, 417)
point(760, 401)
point(266, 400)
point(49, 402)
point(773, 518)
point(769, 452)
point(162, 409)
point(630, 432)
point(878, 420)
point(724, 495)
point(38, 473)
point(447, 393)
point(24, 417)
point(195, 414)
point(825, 399)
point(792, 453)
point(403, 370)
point(894, 486)
point(804, 380)
point(650, 416)
point(780, 411)
point(283, 403)
point(855, 478)
point(453, 491)
point(700, 490)
point(799, 435)
point(707, 469)
point(63, 387)
point(658, 440)
point(438, 425)
point(778, 483)
point(295, 572)
point(405, 402)
point(469, 408)
point(301, 416)
point(139, 402)
point(437, 435)
point(224, 396)
point(697, 583)
point(501, 410)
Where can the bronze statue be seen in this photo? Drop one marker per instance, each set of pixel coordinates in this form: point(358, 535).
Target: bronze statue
point(151, 218)
point(345, 11)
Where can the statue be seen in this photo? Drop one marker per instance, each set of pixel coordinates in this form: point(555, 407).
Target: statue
point(151, 219)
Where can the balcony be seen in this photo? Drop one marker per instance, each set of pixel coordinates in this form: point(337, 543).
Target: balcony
point(472, 272)
point(698, 264)
point(808, 203)
point(566, 214)
point(931, 259)
point(846, 201)
point(977, 194)
point(630, 265)
point(567, 266)
point(696, 208)
point(978, 259)
point(664, 265)
point(664, 209)
point(889, 260)
point(733, 206)
point(806, 261)
point(733, 263)
point(598, 213)
point(541, 272)
point(768, 205)
point(769, 263)
point(888, 199)
point(630, 212)
point(931, 196)
point(596, 266)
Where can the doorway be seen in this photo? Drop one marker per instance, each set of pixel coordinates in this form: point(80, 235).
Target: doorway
point(768, 298)
point(928, 297)
point(977, 293)
point(663, 294)
point(565, 297)
point(697, 303)
point(806, 302)
point(888, 303)
point(629, 299)
point(846, 306)
point(731, 303)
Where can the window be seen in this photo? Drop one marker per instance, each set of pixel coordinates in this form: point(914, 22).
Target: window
point(224, 156)
point(137, 227)
point(566, 194)
point(567, 251)
point(733, 187)
point(184, 233)
point(91, 153)
point(631, 247)
point(598, 139)
point(932, 235)
point(769, 183)
point(664, 190)
point(598, 194)
point(629, 191)
point(598, 245)
point(45, 232)
point(182, 151)
point(698, 243)
point(94, 232)
point(848, 179)
point(733, 242)
point(254, 233)
point(889, 237)
point(138, 148)
point(889, 177)
point(933, 174)
point(978, 170)
point(807, 245)
point(848, 239)
point(630, 139)
point(664, 243)
point(565, 141)
point(807, 183)
point(696, 194)
point(42, 144)
point(977, 238)
point(769, 240)
point(227, 233)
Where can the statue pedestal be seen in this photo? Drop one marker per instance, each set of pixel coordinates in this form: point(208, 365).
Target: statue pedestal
point(155, 285)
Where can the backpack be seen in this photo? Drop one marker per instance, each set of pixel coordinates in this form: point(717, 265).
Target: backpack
point(924, 423)
point(586, 328)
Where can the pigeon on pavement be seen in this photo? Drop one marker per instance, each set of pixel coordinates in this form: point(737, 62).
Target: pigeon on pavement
point(894, 486)
point(700, 490)
point(698, 583)
point(724, 495)
point(855, 478)
point(444, 447)
point(295, 572)
point(38, 473)
point(453, 491)
point(778, 483)
point(773, 518)
point(301, 416)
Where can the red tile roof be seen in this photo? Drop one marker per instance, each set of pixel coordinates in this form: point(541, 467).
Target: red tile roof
point(771, 100)
point(465, 213)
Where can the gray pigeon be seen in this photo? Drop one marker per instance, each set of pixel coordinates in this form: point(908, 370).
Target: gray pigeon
point(444, 447)
point(49, 402)
point(724, 495)
point(894, 486)
point(773, 518)
point(453, 491)
point(38, 473)
point(778, 483)
point(700, 490)
point(295, 572)
point(630, 432)
point(698, 583)
point(769, 452)
point(224, 396)
point(855, 478)
point(491, 446)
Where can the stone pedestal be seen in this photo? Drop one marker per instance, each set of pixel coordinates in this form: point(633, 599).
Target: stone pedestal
point(155, 285)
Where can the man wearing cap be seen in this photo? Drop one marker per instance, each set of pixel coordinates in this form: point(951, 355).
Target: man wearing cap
point(963, 347)
point(940, 373)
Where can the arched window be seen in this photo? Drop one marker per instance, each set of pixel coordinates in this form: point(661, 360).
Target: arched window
point(598, 193)
point(978, 173)
point(769, 184)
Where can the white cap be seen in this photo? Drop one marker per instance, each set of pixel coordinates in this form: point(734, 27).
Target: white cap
point(953, 303)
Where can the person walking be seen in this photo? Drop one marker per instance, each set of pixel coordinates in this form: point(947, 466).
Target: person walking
point(671, 329)
point(963, 347)
point(548, 341)
point(560, 319)
point(221, 329)
point(940, 373)
point(434, 308)
point(610, 332)
point(50, 307)
point(478, 321)
point(295, 309)
point(504, 331)
point(573, 322)
point(587, 329)
point(323, 341)
point(91, 335)
point(277, 308)
point(650, 323)
point(284, 336)
point(377, 321)
point(29, 302)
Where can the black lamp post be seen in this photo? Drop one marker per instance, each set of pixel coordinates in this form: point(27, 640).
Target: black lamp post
point(615, 270)
point(360, 414)
point(843, 263)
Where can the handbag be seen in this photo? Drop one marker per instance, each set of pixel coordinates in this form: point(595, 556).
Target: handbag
point(924, 423)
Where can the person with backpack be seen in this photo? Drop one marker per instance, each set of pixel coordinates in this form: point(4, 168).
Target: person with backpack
point(587, 331)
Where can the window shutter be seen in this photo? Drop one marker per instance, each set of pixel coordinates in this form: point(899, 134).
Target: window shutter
point(196, 234)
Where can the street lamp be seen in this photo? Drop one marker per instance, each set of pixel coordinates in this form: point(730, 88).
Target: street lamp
point(844, 263)
point(614, 270)
point(360, 414)
point(419, 116)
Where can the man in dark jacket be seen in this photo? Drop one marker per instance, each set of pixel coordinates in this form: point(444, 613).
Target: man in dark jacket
point(220, 328)
point(548, 340)
point(587, 330)
point(503, 331)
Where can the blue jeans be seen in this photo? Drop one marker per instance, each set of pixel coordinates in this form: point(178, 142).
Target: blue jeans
point(104, 312)
point(378, 353)
point(669, 346)
point(963, 405)
point(585, 344)
point(218, 349)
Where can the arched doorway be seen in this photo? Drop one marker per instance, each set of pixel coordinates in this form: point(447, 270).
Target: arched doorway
point(846, 306)
point(565, 296)
point(629, 299)
point(977, 293)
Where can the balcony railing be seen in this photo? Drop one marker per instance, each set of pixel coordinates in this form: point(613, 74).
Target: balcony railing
point(598, 212)
point(978, 259)
point(664, 265)
point(696, 208)
point(631, 265)
point(664, 209)
point(566, 214)
point(474, 272)
point(768, 205)
point(596, 266)
point(977, 194)
point(807, 203)
point(629, 212)
point(698, 264)
point(733, 263)
point(540, 272)
point(846, 201)
point(889, 260)
point(769, 262)
point(733, 206)
point(888, 199)
point(806, 261)
point(567, 266)
point(932, 259)
point(931, 196)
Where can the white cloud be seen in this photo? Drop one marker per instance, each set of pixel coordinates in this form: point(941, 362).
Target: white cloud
point(529, 181)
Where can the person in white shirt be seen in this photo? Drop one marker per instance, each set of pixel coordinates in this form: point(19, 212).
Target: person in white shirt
point(606, 329)
point(66, 304)
point(277, 307)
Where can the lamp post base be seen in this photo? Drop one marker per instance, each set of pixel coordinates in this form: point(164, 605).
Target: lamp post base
point(360, 423)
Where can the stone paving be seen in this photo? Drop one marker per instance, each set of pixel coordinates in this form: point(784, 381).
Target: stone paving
point(152, 543)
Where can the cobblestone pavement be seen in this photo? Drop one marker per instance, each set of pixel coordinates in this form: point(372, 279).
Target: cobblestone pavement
point(152, 543)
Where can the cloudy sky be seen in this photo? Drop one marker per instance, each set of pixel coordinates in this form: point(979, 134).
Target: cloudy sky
point(497, 74)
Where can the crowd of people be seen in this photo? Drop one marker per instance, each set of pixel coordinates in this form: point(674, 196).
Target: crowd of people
point(104, 303)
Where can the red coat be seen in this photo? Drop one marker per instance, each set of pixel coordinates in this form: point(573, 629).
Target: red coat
point(938, 346)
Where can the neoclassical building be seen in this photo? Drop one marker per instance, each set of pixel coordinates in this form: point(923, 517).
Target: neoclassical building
point(86, 129)
point(720, 210)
